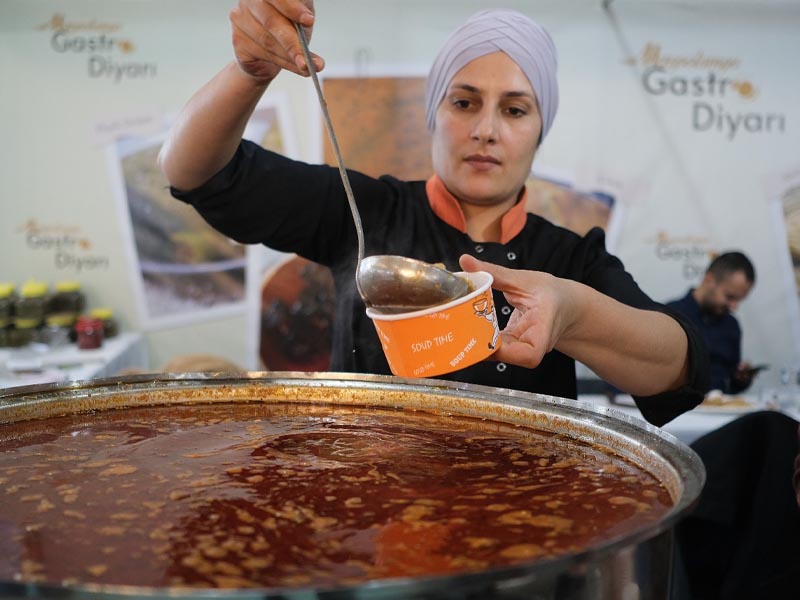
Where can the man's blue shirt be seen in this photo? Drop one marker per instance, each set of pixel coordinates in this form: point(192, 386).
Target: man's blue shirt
point(723, 338)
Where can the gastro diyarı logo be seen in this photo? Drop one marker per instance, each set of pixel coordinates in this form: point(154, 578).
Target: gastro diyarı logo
point(689, 252)
point(717, 93)
point(108, 53)
point(70, 247)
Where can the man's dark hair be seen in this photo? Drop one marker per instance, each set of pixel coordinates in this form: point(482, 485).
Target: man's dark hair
point(731, 262)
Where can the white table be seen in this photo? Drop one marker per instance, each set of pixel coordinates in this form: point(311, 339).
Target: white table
point(35, 363)
point(687, 427)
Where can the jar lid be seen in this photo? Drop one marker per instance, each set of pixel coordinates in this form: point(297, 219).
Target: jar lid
point(68, 286)
point(60, 319)
point(6, 289)
point(101, 313)
point(88, 323)
point(33, 289)
point(26, 323)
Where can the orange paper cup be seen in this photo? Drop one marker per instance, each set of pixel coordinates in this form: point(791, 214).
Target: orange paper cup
point(443, 338)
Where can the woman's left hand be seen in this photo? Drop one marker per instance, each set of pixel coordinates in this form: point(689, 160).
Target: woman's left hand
point(541, 311)
point(643, 352)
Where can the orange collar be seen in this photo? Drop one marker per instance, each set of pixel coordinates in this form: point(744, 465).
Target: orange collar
point(447, 208)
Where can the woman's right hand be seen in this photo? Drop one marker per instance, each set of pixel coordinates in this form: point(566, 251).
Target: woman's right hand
point(265, 39)
point(209, 129)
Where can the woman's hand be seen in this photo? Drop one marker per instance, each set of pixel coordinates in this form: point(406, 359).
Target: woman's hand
point(208, 130)
point(643, 352)
point(541, 311)
point(265, 39)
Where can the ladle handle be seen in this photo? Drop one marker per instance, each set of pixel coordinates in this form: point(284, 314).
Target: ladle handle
point(342, 171)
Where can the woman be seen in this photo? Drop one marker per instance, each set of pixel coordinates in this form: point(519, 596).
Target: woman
point(491, 99)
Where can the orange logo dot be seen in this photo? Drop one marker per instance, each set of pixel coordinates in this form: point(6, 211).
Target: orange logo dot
point(746, 89)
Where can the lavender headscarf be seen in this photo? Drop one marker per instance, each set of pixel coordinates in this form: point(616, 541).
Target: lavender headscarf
point(523, 40)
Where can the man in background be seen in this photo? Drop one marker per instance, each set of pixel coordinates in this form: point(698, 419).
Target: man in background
point(727, 282)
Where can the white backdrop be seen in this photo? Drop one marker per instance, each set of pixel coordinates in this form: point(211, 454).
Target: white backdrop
point(687, 112)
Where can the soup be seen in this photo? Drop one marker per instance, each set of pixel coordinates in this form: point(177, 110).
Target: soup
point(295, 495)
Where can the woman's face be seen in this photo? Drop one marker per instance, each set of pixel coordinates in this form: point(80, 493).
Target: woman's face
point(487, 131)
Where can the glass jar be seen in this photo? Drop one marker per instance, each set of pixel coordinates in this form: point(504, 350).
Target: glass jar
point(20, 336)
point(30, 306)
point(56, 330)
point(7, 301)
point(89, 331)
point(110, 328)
point(67, 301)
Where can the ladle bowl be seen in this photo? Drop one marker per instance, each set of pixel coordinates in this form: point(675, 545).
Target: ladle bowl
point(395, 284)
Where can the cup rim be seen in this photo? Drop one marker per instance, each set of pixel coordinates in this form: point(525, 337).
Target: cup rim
point(481, 279)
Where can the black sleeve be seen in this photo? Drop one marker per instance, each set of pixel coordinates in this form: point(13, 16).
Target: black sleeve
point(735, 386)
point(605, 273)
point(265, 198)
point(664, 407)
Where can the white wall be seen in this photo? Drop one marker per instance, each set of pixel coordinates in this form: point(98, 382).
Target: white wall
point(681, 192)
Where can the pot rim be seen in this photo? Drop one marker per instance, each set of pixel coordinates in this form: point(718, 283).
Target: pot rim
point(677, 456)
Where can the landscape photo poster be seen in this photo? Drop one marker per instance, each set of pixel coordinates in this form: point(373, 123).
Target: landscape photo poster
point(182, 270)
point(784, 204)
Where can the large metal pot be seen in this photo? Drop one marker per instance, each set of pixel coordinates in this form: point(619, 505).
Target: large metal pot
point(635, 565)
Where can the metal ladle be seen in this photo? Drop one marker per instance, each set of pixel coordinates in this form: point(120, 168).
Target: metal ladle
point(387, 282)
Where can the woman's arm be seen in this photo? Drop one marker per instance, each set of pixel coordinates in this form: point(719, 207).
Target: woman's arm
point(642, 352)
point(209, 128)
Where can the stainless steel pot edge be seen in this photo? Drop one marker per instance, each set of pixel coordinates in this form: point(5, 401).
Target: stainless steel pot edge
point(686, 466)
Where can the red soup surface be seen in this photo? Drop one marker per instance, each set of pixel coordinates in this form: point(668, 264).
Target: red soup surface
point(288, 495)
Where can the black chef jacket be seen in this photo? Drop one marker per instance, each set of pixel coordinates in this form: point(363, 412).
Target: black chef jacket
point(262, 197)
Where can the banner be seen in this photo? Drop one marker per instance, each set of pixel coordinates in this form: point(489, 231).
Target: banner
point(677, 132)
